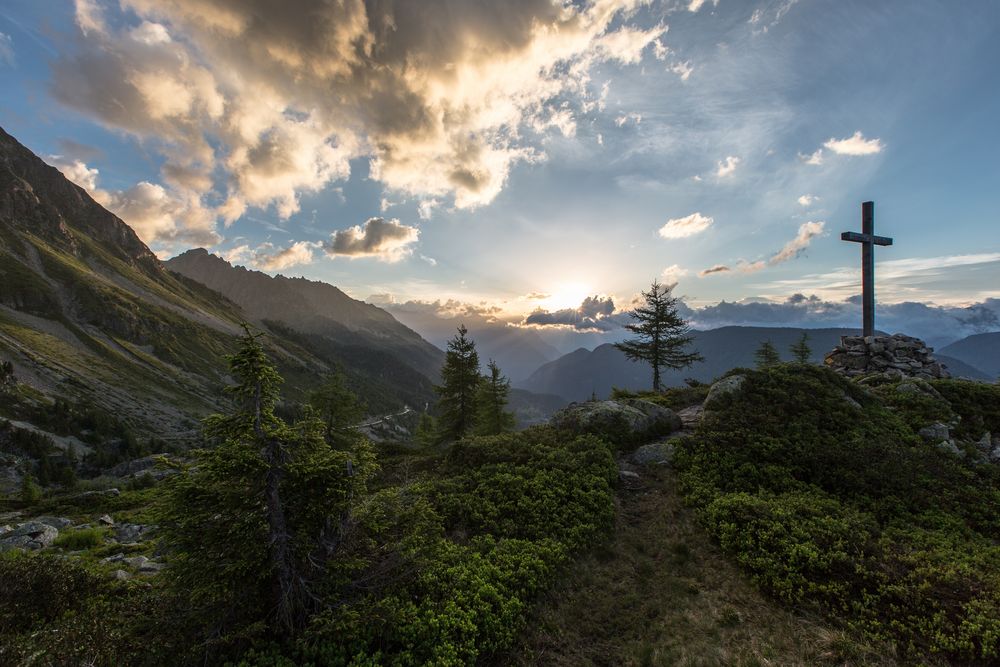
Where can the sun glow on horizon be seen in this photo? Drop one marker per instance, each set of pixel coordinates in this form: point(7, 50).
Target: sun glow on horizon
point(567, 295)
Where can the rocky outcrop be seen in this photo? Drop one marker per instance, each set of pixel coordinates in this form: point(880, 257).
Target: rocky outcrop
point(627, 421)
point(896, 356)
point(31, 535)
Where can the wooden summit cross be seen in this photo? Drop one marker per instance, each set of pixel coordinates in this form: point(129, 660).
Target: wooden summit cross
point(868, 241)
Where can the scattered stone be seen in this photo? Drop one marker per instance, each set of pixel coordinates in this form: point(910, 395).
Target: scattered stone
point(628, 476)
point(151, 567)
point(896, 356)
point(724, 387)
point(117, 558)
point(31, 535)
point(57, 522)
point(935, 432)
point(121, 575)
point(655, 453)
point(136, 561)
point(6, 529)
point(130, 533)
point(106, 520)
point(949, 447)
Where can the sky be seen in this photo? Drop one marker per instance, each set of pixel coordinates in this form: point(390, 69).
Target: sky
point(538, 163)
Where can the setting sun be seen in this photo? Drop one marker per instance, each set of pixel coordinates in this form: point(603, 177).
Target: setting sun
point(567, 295)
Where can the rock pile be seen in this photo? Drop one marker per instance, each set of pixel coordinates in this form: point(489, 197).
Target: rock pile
point(895, 355)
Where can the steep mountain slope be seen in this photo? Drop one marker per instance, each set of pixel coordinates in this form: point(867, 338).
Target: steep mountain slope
point(87, 311)
point(580, 374)
point(310, 307)
point(980, 350)
point(89, 314)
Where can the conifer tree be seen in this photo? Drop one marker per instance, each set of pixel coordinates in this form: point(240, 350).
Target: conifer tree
point(459, 384)
point(252, 524)
point(801, 350)
point(492, 417)
point(662, 334)
point(426, 433)
point(766, 355)
point(339, 410)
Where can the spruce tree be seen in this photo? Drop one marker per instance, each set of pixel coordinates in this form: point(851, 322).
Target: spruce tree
point(459, 384)
point(252, 524)
point(801, 350)
point(766, 355)
point(492, 417)
point(662, 334)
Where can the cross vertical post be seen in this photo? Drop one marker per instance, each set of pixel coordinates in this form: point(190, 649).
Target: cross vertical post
point(868, 269)
point(868, 241)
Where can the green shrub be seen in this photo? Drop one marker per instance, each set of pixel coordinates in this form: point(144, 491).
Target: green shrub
point(822, 492)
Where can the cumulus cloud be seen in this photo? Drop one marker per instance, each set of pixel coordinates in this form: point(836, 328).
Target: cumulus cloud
point(689, 225)
point(807, 200)
point(856, 144)
point(275, 259)
point(387, 240)
point(673, 273)
point(274, 100)
point(815, 159)
point(595, 313)
point(727, 167)
point(695, 5)
point(154, 212)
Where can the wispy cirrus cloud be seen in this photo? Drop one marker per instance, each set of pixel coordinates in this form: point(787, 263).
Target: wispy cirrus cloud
point(792, 249)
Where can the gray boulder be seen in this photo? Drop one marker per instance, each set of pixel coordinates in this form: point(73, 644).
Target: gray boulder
point(935, 432)
point(724, 387)
point(31, 535)
point(624, 421)
point(57, 522)
point(129, 533)
point(655, 453)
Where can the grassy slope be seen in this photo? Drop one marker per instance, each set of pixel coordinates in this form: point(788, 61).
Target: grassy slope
point(661, 593)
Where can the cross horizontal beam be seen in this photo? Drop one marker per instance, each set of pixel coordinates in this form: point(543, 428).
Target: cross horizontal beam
point(865, 238)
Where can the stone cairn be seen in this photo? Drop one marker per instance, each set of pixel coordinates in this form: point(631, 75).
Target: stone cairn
point(895, 355)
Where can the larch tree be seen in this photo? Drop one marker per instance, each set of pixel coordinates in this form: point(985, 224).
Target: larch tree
point(662, 335)
point(492, 417)
point(459, 384)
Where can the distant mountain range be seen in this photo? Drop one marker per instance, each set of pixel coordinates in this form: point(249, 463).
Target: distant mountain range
point(583, 373)
point(979, 350)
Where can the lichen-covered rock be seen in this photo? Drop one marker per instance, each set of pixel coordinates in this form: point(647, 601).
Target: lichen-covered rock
point(57, 522)
point(622, 422)
point(31, 535)
point(724, 387)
